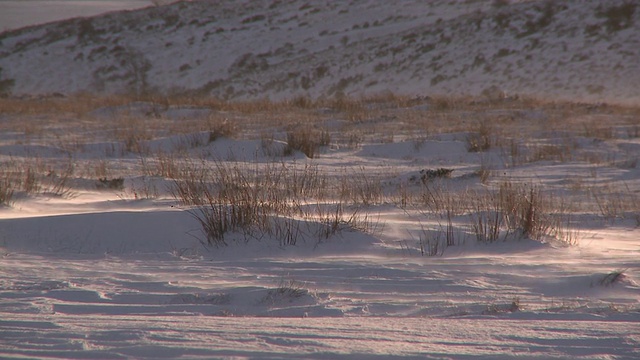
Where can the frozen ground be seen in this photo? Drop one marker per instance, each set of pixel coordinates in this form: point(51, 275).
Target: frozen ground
point(122, 272)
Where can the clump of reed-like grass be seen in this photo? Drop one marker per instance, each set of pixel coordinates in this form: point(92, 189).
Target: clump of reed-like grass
point(360, 187)
point(306, 140)
point(6, 190)
point(480, 139)
point(36, 177)
point(263, 200)
point(509, 211)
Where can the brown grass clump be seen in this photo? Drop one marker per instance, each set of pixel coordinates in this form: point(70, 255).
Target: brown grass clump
point(306, 140)
point(261, 201)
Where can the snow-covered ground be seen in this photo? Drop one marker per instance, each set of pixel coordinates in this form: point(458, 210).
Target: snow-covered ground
point(94, 268)
point(427, 226)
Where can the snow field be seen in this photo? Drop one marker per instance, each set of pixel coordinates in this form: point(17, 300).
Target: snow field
point(102, 256)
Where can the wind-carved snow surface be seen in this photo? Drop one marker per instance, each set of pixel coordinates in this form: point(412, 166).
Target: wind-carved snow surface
point(130, 283)
point(585, 50)
point(100, 273)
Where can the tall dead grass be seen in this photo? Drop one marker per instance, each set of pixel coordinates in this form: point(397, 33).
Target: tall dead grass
point(34, 176)
point(273, 198)
point(511, 210)
point(306, 140)
point(262, 200)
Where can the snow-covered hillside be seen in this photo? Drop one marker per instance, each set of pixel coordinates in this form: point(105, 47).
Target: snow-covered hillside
point(585, 50)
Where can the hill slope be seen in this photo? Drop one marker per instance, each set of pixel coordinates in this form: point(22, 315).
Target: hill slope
point(585, 50)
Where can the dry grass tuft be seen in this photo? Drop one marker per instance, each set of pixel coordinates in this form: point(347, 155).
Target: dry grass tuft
point(224, 128)
point(306, 140)
point(480, 139)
